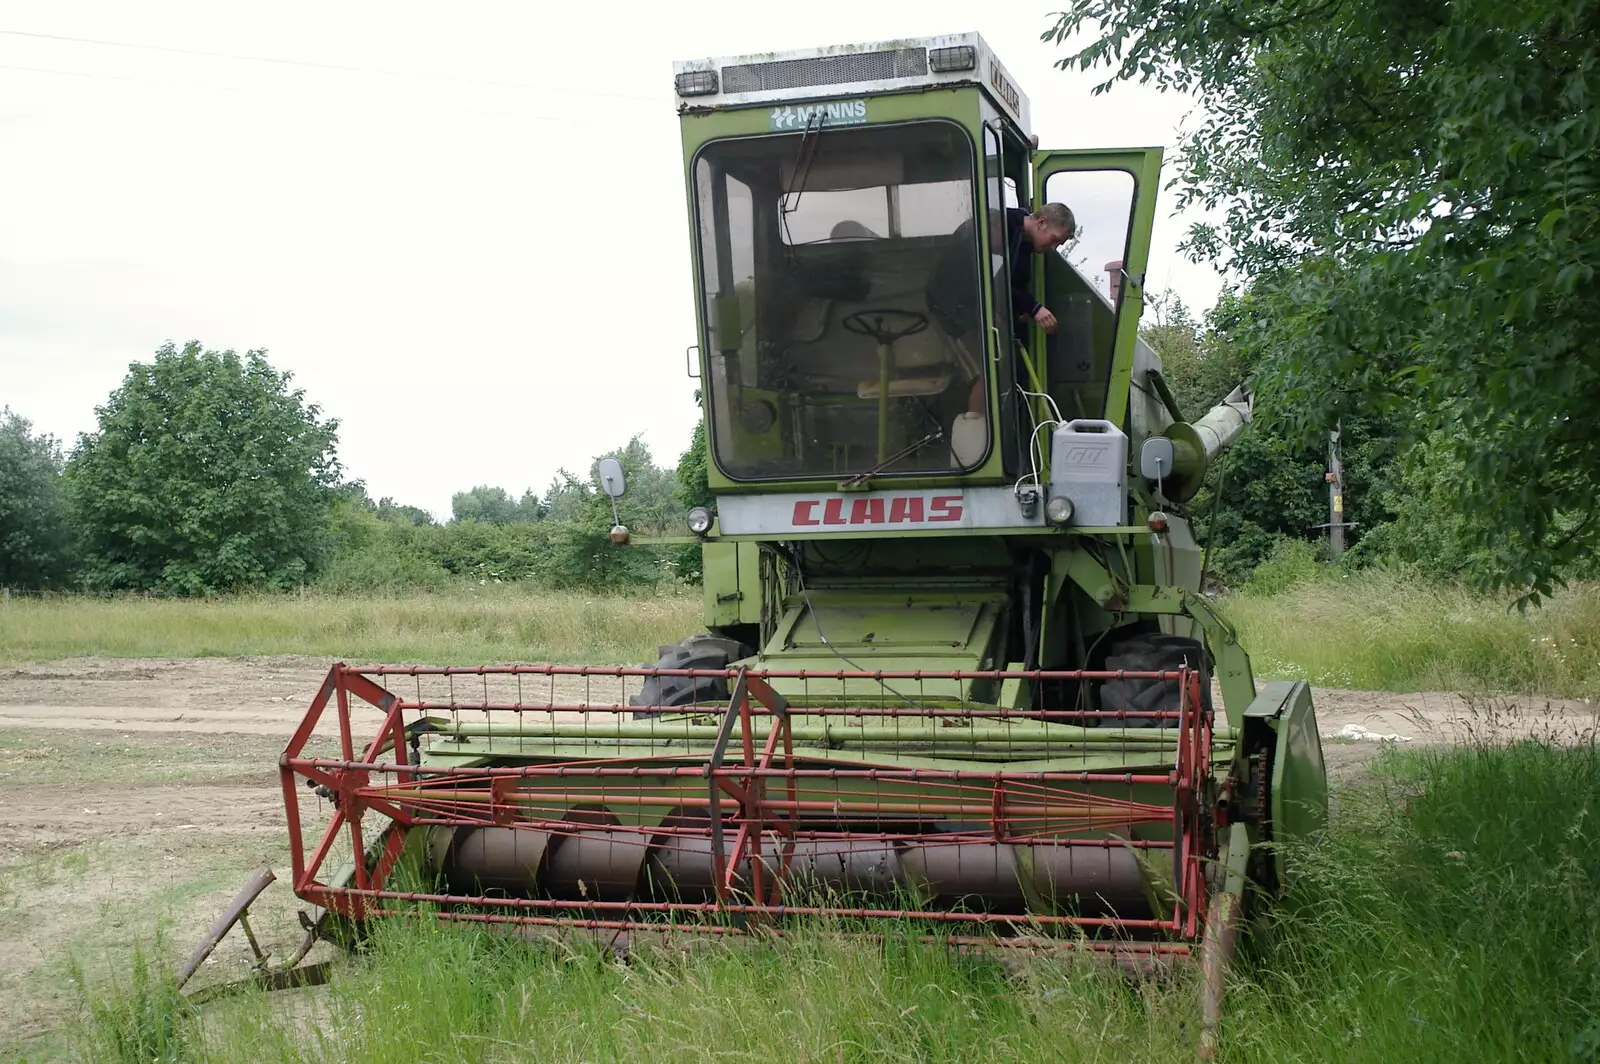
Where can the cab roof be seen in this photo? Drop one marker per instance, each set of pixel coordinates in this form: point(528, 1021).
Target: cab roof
point(849, 69)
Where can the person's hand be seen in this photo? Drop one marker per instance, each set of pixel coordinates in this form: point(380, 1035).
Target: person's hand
point(1045, 319)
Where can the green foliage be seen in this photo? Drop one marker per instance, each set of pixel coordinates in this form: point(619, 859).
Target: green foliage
point(694, 488)
point(1414, 191)
point(650, 504)
point(493, 506)
point(1289, 563)
point(207, 474)
point(493, 540)
point(145, 1021)
point(1271, 481)
point(34, 534)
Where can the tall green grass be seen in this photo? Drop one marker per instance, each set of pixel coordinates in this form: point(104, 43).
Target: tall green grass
point(1448, 916)
point(1378, 630)
point(1369, 629)
point(473, 626)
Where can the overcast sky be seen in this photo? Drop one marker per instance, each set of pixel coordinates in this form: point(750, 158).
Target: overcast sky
point(462, 227)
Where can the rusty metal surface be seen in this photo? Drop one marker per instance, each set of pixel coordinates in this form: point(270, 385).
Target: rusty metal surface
point(258, 882)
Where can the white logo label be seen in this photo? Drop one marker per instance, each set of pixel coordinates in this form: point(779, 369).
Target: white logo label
point(835, 113)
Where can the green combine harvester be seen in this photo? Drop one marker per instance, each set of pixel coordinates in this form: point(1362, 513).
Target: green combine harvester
point(957, 669)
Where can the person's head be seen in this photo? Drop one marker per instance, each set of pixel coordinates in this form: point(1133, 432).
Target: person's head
point(1050, 226)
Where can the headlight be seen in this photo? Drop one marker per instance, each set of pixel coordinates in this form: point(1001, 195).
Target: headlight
point(696, 82)
point(699, 520)
point(1058, 511)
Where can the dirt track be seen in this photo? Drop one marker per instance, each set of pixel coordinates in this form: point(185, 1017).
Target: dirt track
point(138, 794)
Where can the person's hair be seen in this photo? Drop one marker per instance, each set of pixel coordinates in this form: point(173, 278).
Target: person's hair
point(1058, 216)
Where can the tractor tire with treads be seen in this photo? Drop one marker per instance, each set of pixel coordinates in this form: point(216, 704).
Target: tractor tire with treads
point(699, 651)
point(1152, 652)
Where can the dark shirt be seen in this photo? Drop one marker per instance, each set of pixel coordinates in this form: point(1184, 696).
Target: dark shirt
point(1022, 301)
point(953, 293)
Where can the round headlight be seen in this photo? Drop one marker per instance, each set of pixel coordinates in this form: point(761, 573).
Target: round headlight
point(1058, 511)
point(699, 520)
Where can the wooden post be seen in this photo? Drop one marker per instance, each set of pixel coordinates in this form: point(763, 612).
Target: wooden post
point(1335, 478)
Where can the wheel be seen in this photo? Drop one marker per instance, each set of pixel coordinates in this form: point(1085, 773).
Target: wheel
point(699, 651)
point(1152, 652)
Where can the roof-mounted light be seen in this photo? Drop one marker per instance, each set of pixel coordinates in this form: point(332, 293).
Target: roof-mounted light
point(696, 83)
point(951, 60)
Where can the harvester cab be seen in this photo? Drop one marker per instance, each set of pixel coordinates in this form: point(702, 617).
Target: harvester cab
point(957, 669)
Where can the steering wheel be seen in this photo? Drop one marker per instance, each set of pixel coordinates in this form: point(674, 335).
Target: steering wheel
point(878, 323)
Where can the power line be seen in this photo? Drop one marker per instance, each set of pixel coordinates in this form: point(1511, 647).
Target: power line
point(433, 105)
point(342, 68)
point(118, 77)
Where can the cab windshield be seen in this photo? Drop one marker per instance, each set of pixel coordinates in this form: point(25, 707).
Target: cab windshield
point(839, 273)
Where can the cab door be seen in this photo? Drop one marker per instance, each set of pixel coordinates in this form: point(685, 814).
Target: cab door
point(1095, 284)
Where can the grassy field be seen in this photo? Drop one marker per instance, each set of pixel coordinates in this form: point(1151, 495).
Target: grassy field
point(1448, 916)
point(1369, 630)
point(1431, 925)
point(1377, 631)
point(480, 626)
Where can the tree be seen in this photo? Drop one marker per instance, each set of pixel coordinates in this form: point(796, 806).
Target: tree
point(1271, 480)
point(1412, 190)
point(493, 506)
point(694, 487)
point(399, 513)
point(34, 533)
point(650, 504)
point(207, 474)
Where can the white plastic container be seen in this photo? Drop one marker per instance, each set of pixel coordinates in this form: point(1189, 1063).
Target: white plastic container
point(969, 438)
point(1089, 465)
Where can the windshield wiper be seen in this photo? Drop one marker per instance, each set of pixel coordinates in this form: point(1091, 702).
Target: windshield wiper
point(803, 160)
point(904, 452)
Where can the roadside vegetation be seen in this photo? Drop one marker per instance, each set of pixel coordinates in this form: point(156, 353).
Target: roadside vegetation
point(470, 624)
point(1383, 629)
point(1446, 917)
point(1368, 629)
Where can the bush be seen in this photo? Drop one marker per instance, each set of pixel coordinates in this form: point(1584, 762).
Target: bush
point(1288, 563)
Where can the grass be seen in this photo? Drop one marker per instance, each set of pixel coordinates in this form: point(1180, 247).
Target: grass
point(1446, 917)
point(1373, 630)
point(480, 626)
point(1368, 630)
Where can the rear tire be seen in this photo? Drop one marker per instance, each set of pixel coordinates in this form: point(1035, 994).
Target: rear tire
point(699, 651)
point(1152, 652)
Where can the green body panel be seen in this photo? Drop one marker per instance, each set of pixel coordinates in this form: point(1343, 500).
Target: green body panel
point(732, 583)
point(1299, 779)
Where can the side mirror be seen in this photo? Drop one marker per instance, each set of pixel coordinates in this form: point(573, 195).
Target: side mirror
point(1155, 458)
point(611, 478)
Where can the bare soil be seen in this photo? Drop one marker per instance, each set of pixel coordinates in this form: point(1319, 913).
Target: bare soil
point(137, 796)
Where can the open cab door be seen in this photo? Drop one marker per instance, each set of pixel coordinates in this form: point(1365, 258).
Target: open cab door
point(1095, 283)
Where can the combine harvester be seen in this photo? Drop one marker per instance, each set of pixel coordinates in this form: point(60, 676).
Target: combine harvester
point(956, 678)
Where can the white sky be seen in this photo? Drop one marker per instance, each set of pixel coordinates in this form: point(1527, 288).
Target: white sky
point(473, 250)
